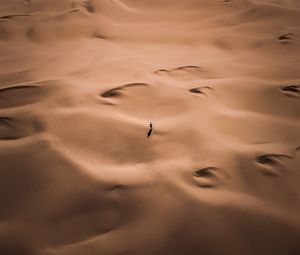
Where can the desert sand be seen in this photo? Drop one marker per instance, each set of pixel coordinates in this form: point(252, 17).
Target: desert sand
point(80, 82)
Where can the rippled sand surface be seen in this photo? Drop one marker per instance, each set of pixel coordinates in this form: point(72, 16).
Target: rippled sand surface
point(81, 80)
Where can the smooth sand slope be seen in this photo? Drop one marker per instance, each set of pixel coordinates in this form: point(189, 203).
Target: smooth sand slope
point(80, 81)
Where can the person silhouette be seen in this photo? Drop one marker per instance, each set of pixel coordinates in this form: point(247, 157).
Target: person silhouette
point(150, 130)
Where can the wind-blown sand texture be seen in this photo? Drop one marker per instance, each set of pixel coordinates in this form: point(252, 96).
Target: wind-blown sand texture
point(80, 81)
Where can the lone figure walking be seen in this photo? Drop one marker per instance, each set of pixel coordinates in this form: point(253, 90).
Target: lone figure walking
point(150, 130)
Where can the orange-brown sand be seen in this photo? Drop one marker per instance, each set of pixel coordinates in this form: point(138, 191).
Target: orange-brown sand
point(80, 82)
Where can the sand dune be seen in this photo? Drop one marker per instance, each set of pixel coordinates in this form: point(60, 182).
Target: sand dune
point(80, 81)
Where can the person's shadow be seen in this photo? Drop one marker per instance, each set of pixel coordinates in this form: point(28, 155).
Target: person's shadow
point(150, 130)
